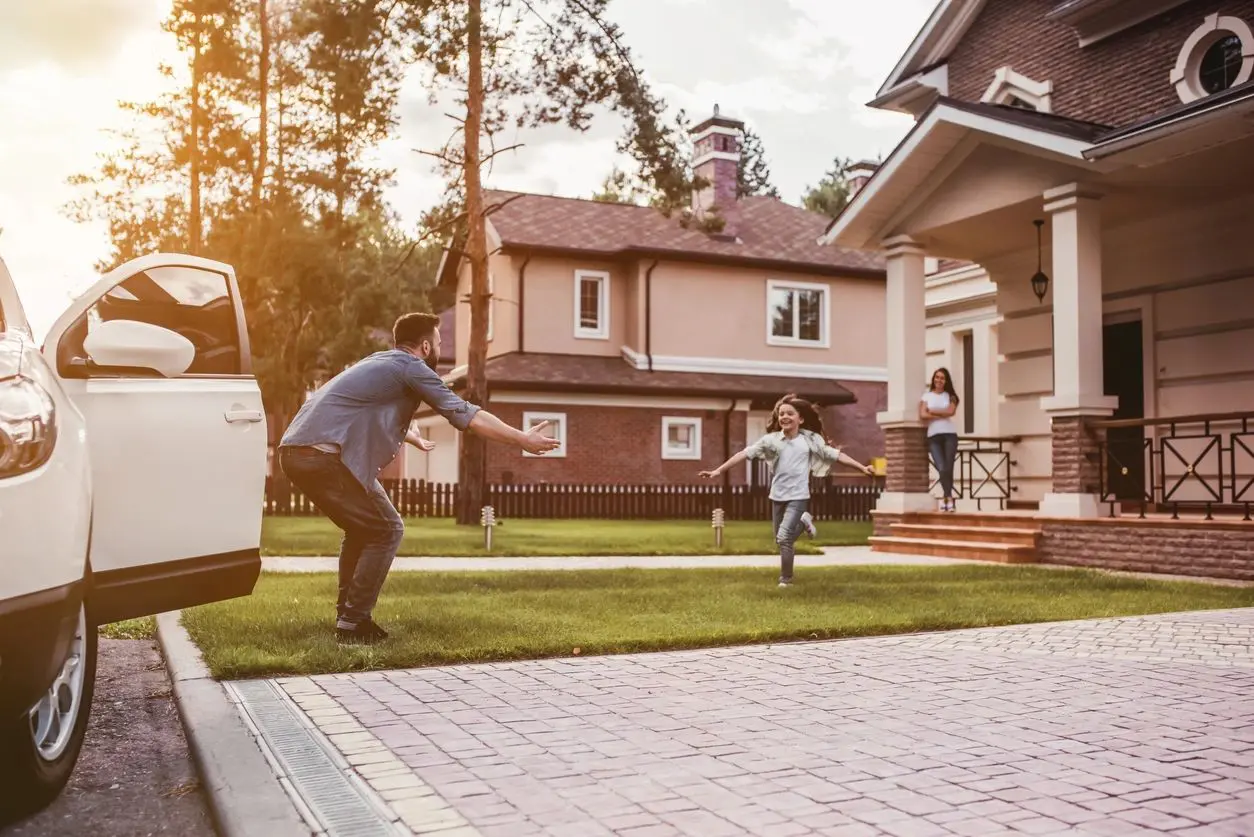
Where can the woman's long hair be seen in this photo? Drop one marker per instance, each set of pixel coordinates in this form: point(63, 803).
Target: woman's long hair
point(810, 419)
point(949, 383)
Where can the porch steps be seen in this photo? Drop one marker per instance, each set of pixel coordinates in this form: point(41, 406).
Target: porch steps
point(1002, 539)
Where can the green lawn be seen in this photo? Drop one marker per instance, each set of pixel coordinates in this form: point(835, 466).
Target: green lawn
point(143, 628)
point(442, 537)
point(285, 627)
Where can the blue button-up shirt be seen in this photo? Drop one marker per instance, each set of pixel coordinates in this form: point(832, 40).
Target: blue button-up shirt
point(365, 411)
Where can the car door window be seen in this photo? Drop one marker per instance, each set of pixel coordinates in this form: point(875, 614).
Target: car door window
point(190, 301)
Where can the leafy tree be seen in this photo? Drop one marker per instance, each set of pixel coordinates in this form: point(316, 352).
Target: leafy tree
point(513, 64)
point(753, 175)
point(831, 194)
point(620, 187)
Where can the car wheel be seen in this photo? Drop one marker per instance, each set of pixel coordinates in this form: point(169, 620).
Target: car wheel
point(38, 750)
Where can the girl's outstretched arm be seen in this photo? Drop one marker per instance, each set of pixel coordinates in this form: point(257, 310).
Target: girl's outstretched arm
point(726, 466)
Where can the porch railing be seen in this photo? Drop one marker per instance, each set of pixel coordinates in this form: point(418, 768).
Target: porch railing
point(1201, 462)
point(983, 470)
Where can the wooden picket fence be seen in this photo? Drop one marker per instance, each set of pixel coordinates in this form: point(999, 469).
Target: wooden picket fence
point(419, 498)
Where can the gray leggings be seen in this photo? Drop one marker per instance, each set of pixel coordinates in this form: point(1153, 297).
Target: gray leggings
point(786, 523)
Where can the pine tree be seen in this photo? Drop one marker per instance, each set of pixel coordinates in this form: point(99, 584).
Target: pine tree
point(753, 175)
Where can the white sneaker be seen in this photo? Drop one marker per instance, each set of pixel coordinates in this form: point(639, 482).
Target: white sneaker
point(807, 520)
point(785, 584)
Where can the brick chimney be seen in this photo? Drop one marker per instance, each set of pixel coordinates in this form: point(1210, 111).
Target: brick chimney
point(858, 174)
point(716, 144)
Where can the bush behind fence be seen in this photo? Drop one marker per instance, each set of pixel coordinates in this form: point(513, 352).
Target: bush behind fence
point(419, 498)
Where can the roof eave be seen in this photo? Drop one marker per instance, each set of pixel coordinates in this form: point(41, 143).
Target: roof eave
point(1123, 141)
point(842, 229)
point(946, 25)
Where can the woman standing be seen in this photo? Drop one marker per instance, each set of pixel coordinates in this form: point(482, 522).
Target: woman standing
point(795, 450)
point(937, 408)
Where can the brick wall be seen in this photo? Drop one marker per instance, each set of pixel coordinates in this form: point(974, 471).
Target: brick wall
point(614, 445)
point(1214, 549)
point(853, 426)
point(1076, 458)
point(1115, 82)
point(906, 449)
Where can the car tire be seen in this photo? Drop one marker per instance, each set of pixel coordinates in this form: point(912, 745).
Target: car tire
point(38, 749)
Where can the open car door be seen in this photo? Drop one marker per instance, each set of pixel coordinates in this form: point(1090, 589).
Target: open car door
point(156, 357)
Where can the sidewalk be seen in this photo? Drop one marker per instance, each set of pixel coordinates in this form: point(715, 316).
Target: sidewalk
point(833, 556)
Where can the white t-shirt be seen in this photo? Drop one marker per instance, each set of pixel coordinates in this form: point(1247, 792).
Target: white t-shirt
point(937, 401)
point(791, 480)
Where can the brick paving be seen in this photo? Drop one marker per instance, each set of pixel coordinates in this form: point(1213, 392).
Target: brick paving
point(1128, 726)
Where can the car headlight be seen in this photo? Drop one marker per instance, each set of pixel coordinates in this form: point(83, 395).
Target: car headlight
point(28, 429)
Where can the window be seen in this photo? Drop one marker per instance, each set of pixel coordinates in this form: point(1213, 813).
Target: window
point(1217, 56)
point(681, 438)
point(556, 430)
point(968, 383)
point(1018, 91)
point(190, 301)
point(592, 304)
point(491, 303)
point(1221, 64)
point(797, 314)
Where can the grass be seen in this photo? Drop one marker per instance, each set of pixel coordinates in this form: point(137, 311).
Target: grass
point(442, 537)
point(143, 628)
point(438, 618)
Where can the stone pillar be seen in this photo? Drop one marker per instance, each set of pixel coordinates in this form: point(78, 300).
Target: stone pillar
point(904, 435)
point(1079, 391)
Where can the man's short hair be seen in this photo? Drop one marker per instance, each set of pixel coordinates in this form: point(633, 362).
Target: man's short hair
point(411, 329)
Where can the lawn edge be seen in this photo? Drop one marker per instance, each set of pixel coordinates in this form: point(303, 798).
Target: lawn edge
point(244, 793)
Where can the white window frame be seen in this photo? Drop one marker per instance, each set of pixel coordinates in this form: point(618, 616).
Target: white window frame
point(1215, 27)
point(559, 420)
point(668, 452)
point(602, 331)
point(825, 327)
point(1008, 85)
point(491, 304)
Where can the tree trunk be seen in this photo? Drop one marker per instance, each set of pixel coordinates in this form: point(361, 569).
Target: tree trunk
point(193, 219)
point(263, 84)
point(474, 450)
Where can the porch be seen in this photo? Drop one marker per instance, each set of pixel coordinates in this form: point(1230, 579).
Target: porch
point(1124, 314)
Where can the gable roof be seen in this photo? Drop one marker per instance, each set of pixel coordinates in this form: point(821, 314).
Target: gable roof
point(944, 28)
point(770, 233)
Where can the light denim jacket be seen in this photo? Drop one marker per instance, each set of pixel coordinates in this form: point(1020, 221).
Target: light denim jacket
point(822, 455)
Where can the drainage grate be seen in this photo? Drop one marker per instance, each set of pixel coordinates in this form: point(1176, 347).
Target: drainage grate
point(337, 803)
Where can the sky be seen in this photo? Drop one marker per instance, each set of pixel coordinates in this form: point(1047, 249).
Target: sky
point(799, 72)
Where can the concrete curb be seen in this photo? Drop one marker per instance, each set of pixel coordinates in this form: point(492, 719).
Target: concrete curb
point(244, 793)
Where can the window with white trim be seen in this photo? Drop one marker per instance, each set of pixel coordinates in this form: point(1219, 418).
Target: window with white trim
point(797, 314)
point(555, 430)
point(1217, 55)
point(681, 437)
point(592, 304)
point(1018, 91)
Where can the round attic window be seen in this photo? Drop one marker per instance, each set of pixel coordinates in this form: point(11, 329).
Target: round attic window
point(1221, 64)
point(1218, 55)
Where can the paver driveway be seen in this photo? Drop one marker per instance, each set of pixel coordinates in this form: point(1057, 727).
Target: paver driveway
point(1108, 727)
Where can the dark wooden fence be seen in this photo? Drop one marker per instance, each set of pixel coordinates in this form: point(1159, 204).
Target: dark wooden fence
point(418, 498)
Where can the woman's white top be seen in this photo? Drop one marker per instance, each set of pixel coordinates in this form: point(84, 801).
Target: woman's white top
point(937, 401)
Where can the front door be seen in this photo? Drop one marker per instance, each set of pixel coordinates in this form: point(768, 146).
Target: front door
point(1124, 375)
point(177, 439)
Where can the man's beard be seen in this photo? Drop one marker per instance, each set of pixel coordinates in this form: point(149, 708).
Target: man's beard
point(432, 360)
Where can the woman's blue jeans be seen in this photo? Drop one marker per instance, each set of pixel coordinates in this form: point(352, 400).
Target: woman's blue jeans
point(944, 449)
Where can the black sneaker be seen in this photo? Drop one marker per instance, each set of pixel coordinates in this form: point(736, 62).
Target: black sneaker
point(366, 633)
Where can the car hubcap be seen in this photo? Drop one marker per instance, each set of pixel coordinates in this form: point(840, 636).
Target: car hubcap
point(52, 720)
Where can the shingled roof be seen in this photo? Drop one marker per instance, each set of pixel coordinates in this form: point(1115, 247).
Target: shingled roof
point(769, 232)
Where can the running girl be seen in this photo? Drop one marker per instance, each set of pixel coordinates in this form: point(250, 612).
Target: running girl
point(795, 450)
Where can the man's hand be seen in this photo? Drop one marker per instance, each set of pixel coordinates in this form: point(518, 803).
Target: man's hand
point(535, 442)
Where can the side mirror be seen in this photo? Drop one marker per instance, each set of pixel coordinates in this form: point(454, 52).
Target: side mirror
point(128, 344)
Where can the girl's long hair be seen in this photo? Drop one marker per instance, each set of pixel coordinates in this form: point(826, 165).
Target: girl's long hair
point(810, 419)
point(949, 383)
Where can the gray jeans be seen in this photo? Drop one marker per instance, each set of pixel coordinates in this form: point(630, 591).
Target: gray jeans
point(786, 523)
point(372, 527)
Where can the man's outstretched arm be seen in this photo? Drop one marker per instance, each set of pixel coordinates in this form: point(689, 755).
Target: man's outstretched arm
point(493, 429)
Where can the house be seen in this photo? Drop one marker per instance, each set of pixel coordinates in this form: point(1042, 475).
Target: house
point(1108, 367)
point(657, 345)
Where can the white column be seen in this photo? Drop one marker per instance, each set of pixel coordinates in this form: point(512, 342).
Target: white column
point(906, 331)
point(1076, 285)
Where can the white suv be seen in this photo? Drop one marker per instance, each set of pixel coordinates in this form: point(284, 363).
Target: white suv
point(132, 468)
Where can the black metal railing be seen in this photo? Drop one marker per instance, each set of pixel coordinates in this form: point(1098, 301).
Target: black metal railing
point(983, 470)
point(1196, 462)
